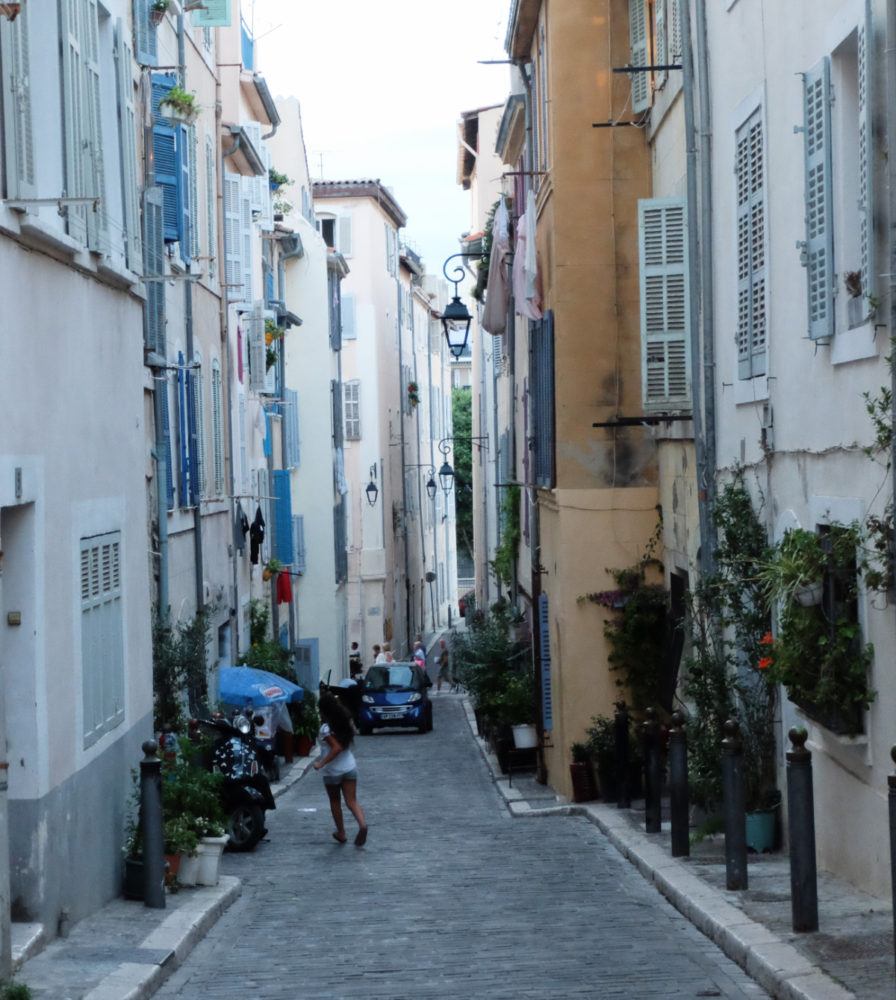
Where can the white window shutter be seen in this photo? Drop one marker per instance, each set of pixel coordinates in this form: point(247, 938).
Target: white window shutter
point(675, 31)
point(662, 48)
point(866, 164)
point(663, 258)
point(247, 232)
point(347, 309)
point(16, 97)
point(211, 218)
point(74, 111)
point(199, 421)
point(127, 141)
point(344, 236)
point(749, 170)
point(298, 542)
point(291, 440)
point(233, 240)
point(819, 254)
point(255, 336)
point(637, 29)
point(193, 160)
point(154, 264)
point(243, 479)
point(145, 38)
point(97, 215)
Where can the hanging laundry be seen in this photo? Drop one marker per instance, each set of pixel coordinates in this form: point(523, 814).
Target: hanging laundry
point(526, 305)
point(497, 297)
point(284, 588)
point(256, 536)
point(240, 529)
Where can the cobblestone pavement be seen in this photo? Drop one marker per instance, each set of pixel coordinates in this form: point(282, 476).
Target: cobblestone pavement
point(450, 898)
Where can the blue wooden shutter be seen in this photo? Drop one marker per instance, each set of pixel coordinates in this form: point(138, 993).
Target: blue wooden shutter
point(819, 256)
point(663, 259)
point(154, 264)
point(637, 30)
point(283, 517)
point(542, 365)
point(145, 40)
point(544, 640)
point(292, 447)
point(166, 165)
point(866, 164)
point(184, 394)
point(298, 535)
point(749, 170)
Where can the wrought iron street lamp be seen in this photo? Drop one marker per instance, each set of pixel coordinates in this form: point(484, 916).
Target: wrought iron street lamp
point(446, 473)
point(431, 482)
point(456, 318)
point(371, 489)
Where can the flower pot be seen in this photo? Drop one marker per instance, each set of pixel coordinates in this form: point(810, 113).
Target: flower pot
point(133, 879)
point(583, 789)
point(810, 595)
point(157, 16)
point(304, 746)
point(172, 867)
point(761, 831)
point(189, 869)
point(266, 574)
point(177, 115)
point(524, 736)
point(210, 850)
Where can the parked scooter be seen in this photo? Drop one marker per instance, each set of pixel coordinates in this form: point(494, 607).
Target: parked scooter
point(246, 791)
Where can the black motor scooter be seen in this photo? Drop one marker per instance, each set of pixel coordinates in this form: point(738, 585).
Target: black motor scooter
point(246, 791)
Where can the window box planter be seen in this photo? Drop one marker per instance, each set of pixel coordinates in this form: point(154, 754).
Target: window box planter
point(179, 107)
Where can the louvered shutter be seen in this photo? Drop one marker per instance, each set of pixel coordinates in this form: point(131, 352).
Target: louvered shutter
point(661, 41)
point(97, 215)
point(154, 263)
point(675, 31)
point(819, 254)
point(233, 240)
point(192, 251)
point(247, 233)
point(283, 517)
point(264, 501)
point(544, 645)
point(291, 428)
point(127, 139)
point(200, 477)
point(542, 368)
point(16, 98)
point(663, 258)
point(751, 268)
point(637, 30)
point(241, 430)
point(76, 112)
point(218, 426)
point(161, 383)
point(184, 390)
point(866, 165)
point(145, 40)
point(336, 412)
point(211, 219)
point(255, 334)
point(298, 535)
point(165, 161)
point(347, 308)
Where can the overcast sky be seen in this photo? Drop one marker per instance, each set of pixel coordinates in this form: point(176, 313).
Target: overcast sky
point(381, 86)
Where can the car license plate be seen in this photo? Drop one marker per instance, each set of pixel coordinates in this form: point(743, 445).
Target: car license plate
point(390, 713)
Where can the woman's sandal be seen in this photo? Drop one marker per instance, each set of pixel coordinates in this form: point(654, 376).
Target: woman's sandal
point(361, 839)
point(338, 839)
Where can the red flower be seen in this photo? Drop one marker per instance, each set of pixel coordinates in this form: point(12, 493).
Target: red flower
point(765, 661)
point(766, 640)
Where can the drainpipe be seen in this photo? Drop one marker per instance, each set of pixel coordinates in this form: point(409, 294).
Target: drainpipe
point(404, 492)
point(696, 280)
point(436, 616)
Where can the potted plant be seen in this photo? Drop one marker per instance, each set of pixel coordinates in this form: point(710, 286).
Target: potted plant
point(276, 180)
point(601, 744)
point(272, 332)
point(179, 106)
point(516, 708)
point(271, 568)
point(157, 10)
point(413, 394)
point(305, 723)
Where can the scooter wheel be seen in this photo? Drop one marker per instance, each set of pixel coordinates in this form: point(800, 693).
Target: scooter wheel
point(246, 827)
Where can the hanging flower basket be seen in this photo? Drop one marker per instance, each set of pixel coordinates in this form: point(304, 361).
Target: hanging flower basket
point(413, 393)
point(179, 107)
point(158, 10)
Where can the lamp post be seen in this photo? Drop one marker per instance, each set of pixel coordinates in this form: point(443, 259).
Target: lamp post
point(371, 489)
point(456, 317)
point(446, 473)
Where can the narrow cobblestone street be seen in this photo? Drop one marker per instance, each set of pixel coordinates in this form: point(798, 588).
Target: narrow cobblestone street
point(451, 897)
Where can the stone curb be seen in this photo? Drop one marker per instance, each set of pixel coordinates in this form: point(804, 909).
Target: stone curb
point(775, 965)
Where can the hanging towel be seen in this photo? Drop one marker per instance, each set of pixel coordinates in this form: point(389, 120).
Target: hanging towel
point(240, 529)
point(525, 305)
point(284, 588)
point(497, 297)
point(256, 536)
point(531, 263)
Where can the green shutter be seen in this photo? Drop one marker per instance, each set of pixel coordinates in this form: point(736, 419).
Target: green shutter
point(819, 256)
point(665, 322)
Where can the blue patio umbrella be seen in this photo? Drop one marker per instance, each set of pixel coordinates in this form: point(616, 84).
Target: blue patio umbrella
point(240, 685)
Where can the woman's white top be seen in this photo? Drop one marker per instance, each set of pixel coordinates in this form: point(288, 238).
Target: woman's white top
point(342, 763)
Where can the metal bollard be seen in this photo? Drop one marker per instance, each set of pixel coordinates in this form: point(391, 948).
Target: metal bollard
point(801, 833)
point(678, 788)
point(152, 827)
point(733, 808)
point(624, 796)
point(653, 797)
point(891, 799)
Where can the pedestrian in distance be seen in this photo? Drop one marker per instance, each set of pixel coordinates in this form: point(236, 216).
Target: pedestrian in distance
point(377, 652)
point(444, 666)
point(339, 767)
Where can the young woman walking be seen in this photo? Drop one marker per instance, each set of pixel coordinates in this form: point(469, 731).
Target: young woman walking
point(339, 767)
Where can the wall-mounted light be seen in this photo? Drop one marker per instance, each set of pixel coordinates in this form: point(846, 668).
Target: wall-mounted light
point(371, 489)
point(456, 318)
point(446, 473)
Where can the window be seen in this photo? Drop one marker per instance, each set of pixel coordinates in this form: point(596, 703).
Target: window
point(298, 542)
point(145, 37)
point(749, 169)
point(663, 258)
point(171, 163)
point(351, 397)
point(102, 640)
point(336, 232)
point(541, 365)
point(18, 136)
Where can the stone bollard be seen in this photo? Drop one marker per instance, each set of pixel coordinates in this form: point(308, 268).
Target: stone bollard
point(678, 788)
point(152, 827)
point(733, 808)
point(653, 792)
point(801, 833)
point(623, 777)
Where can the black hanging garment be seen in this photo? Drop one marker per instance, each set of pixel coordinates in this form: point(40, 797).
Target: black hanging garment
point(240, 529)
point(256, 536)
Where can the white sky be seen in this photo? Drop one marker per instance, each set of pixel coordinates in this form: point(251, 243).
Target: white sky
point(381, 85)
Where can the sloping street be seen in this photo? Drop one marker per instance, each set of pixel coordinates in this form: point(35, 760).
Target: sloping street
point(450, 897)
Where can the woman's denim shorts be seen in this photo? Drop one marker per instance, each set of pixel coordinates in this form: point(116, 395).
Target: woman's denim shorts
point(337, 779)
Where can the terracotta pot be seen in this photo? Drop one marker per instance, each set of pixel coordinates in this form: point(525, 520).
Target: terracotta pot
point(583, 789)
point(304, 745)
point(172, 867)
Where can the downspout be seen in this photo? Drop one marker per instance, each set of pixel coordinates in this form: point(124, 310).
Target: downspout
point(435, 527)
point(704, 473)
point(404, 492)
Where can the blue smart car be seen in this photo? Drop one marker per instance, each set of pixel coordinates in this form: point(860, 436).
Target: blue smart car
point(395, 694)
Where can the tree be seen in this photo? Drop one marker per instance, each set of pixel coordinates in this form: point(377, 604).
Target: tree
point(462, 416)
